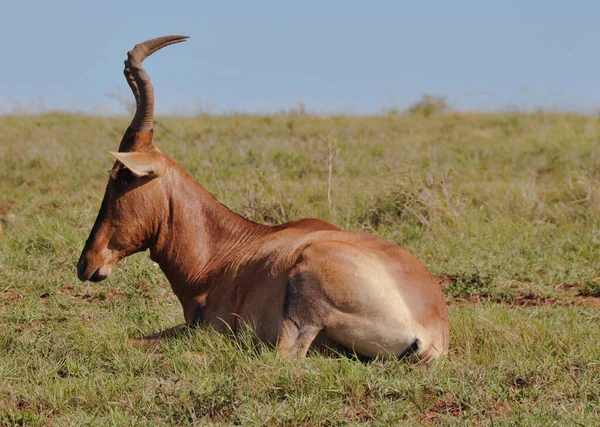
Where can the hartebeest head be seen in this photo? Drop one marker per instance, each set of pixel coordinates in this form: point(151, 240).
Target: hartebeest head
point(123, 227)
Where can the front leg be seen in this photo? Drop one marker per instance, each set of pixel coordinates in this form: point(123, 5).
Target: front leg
point(193, 316)
point(153, 339)
point(167, 333)
point(193, 311)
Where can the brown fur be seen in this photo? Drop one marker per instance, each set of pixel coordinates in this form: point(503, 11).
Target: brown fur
point(293, 282)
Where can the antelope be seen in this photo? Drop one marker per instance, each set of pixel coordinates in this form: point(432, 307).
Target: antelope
point(299, 284)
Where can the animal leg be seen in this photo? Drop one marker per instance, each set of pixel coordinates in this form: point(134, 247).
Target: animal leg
point(167, 333)
point(302, 316)
point(294, 340)
point(153, 339)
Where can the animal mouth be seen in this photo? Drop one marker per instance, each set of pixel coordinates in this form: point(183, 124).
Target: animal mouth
point(85, 273)
point(97, 276)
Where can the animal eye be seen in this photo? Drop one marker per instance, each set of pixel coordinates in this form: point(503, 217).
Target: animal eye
point(124, 177)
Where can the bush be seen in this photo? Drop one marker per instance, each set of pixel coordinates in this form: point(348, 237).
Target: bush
point(428, 105)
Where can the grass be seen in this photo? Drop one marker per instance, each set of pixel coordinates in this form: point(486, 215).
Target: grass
point(503, 208)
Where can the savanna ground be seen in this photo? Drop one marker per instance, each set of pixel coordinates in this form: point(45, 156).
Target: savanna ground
point(503, 208)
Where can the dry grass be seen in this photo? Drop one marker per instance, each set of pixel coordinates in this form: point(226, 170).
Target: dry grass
point(503, 208)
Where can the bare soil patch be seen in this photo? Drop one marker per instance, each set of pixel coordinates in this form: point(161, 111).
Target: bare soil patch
point(89, 296)
point(567, 294)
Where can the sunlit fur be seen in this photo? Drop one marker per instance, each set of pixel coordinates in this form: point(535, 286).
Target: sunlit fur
point(299, 284)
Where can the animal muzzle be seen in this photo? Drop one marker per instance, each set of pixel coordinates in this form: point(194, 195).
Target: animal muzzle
point(88, 268)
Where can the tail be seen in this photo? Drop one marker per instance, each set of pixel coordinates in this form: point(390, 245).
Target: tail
point(412, 349)
point(432, 347)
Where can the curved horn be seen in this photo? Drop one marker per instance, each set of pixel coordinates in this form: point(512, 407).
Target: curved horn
point(139, 81)
point(132, 84)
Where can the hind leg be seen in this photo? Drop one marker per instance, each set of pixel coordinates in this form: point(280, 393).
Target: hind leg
point(294, 340)
point(303, 315)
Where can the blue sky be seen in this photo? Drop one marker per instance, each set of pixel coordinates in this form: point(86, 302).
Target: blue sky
point(332, 56)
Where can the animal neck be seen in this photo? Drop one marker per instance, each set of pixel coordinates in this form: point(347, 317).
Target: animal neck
point(195, 234)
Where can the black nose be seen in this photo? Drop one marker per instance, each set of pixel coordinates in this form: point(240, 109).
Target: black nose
point(82, 268)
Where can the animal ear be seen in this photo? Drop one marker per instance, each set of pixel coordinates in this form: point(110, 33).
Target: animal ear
point(141, 164)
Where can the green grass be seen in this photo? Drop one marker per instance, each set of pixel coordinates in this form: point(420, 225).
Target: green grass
point(503, 208)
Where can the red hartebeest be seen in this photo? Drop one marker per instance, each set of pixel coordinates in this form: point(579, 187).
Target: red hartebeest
point(300, 282)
